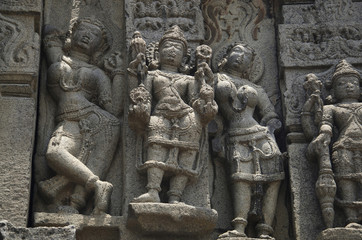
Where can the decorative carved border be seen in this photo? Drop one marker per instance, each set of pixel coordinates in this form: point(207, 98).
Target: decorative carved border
point(18, 85)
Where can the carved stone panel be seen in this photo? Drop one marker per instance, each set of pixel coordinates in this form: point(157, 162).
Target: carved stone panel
point(313, 38)
point(152, 18)
point(81, 105)
point(21, 5)
point(318, 34)
point(19, 65)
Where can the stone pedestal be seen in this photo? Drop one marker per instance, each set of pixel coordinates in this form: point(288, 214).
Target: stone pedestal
point(171, 219)
point(87, 227)
point(340, 233)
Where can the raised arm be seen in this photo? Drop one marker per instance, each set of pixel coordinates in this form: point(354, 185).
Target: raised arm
point(53, 44)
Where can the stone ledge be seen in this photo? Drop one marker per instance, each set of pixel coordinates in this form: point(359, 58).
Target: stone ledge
point(341, 233)
point(78, 220)
point(166, 219)
point(9, 232)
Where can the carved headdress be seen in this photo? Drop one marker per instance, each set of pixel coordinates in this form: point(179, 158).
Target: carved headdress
point(343, 68)
point(174, 33)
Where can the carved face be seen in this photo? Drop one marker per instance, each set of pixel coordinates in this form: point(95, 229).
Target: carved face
point(346, 87)
point(239, 59)
point(86, 38)
point(171, 53)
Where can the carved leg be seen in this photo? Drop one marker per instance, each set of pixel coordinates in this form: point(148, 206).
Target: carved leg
point(269, 205)
point(61, 160)
point(347, 190)
point(154, 176)
point(177, 186)
point(242, 201)
point(178, 182)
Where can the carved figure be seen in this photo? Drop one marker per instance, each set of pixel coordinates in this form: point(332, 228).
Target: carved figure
point(81, 148)
point(341, 121)
point(172, 108)
point(253, 155)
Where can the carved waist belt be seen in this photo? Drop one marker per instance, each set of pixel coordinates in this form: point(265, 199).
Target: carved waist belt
point(247, 134)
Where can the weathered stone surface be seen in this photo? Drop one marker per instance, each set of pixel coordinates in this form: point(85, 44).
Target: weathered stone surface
point(21, 5)
point(256, 171)
point(318, 34)
point(106, 93)
point(171, 219)
point(9, 232)
point(340, 233)
point(87, 227)
point(78, 220)
point(19, 66)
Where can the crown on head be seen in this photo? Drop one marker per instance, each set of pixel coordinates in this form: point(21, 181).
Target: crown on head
point(174, 33)
point(344, 68)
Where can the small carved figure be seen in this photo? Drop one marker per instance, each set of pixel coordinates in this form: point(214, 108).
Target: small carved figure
point(172, 108)
point(252, 152)
point(341, 121)
point(81, 148)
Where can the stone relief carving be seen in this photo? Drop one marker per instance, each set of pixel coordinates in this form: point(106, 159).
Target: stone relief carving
point(255, 161)
point(21, 5)
point(84, 140)
point(323, 31)
point(152, 17)
point(18, 48)
point(325, 42)
point(171, 109)
point(230, 20)
point(339, 123)
point(221, 16)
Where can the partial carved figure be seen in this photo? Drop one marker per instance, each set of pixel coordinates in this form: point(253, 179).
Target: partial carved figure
point(341, 165)
point(172, 109)
point(83, 143)
point(252, 152)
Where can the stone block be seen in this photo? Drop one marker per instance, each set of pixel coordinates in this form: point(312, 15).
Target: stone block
point(171, 219)
point(9, 232)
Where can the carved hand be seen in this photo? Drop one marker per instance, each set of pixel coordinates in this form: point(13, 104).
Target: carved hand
point(323, 140)
point(114, 63)
point(274, 124)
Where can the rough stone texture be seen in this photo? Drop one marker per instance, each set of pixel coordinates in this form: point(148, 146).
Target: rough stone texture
point(87, 227)
point(340, 233)
point(9, 232)
point(61, 16)
point(171, 219)
point(313, 38)
point(19, 66)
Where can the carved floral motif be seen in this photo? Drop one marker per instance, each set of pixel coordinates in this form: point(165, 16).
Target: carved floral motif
point(17, 50)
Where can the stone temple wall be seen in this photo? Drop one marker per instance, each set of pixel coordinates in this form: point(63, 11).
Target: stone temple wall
point(181, 119)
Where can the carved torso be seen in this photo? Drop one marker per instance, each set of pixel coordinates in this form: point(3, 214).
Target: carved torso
point(348, 119)
point(73, 84)
point(170, 93)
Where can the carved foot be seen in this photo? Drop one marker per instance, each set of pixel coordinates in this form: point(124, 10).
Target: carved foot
point(354, 225)
point(264, 236)
point(150, 196)
point(103, 192)
point(232, 233)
